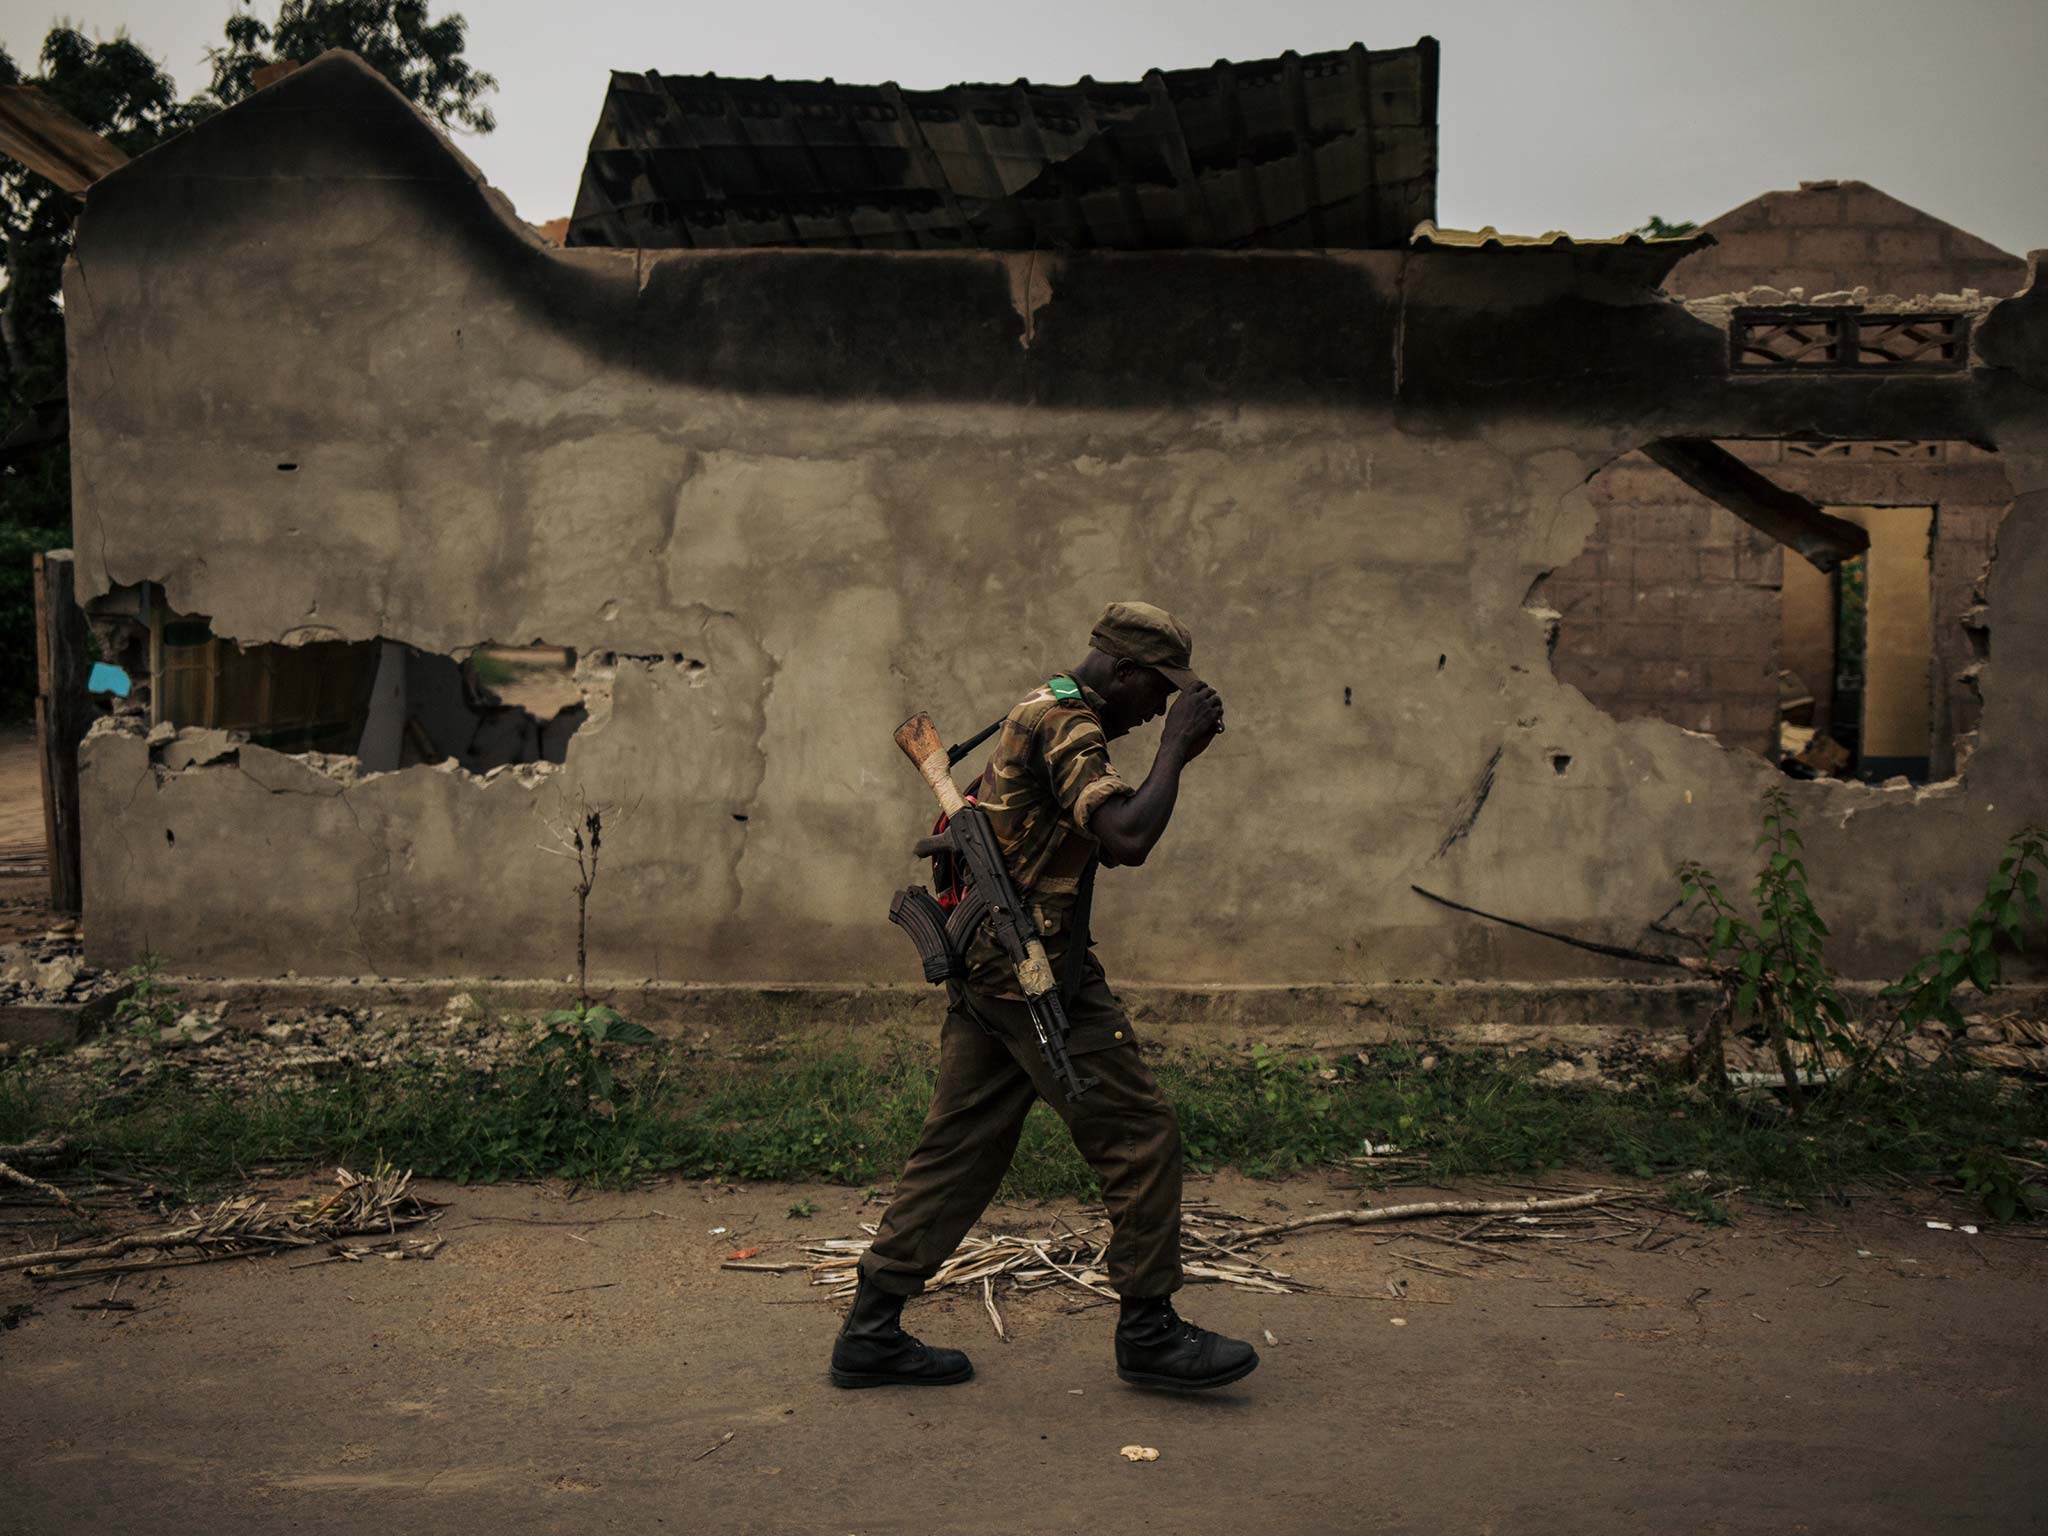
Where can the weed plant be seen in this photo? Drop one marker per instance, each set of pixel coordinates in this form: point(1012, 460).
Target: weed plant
point(850, 1117)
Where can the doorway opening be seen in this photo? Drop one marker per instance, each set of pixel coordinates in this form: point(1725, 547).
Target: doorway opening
point(1856, 650)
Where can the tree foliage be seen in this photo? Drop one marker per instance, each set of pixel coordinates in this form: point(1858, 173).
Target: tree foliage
point(1657, 228)
point(397, 38)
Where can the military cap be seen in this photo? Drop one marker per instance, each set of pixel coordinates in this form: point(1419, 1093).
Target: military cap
point(1142, 633)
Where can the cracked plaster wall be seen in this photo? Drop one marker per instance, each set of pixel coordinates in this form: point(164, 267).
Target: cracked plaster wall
point(843, 483)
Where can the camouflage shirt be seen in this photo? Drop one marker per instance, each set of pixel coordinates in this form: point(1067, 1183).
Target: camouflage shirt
point(1050, 774)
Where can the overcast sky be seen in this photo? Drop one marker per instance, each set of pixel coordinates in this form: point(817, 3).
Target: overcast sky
point(1584, 115)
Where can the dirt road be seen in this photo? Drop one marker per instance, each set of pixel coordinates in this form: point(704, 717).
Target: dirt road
point(24, 862)
point(570, 1367)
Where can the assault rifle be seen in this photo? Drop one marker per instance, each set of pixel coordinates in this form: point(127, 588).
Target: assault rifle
point(940, 938)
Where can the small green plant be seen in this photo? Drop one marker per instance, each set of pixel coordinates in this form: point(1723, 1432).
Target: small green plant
point(1691, 1198)
point(151, 1006)
point(573, 1044)
point(1971, 953)
point(2005, 1193)
point(492, 670)
point(1781, 976)
point(802, 1208)
point(1657, 227)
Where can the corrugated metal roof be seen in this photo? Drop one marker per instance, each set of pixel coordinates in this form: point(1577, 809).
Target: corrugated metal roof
point(1626, 258)
point(1487, 238)
point(1318, 150)
point(51, 142)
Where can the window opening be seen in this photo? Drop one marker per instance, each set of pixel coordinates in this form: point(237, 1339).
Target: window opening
point(1681, 610)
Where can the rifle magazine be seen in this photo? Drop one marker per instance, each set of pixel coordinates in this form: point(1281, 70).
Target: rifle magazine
point(917, 912)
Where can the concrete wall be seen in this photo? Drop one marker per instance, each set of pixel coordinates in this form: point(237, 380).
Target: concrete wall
point(798, 495)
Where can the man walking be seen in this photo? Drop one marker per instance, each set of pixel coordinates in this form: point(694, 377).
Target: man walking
point(1058, 807)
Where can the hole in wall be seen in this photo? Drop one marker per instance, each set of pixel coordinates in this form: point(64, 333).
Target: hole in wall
point(288, 469)
point(1677, 609)
point(387, 704)
point(170, 837)
point(1347, 696)
point(1560, 762)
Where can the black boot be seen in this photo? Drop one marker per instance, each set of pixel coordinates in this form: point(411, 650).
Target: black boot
point(1156, 1348)
point(872, 1349)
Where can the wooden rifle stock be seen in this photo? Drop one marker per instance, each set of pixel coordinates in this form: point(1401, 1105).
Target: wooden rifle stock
point(926, 749)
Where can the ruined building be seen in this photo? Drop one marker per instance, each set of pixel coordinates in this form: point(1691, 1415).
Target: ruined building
point(1678, 610)
point(844, 402)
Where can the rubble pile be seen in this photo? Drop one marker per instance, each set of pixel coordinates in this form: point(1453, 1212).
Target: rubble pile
point(2006, 1042)
point(201, 1048)
point(50, 971)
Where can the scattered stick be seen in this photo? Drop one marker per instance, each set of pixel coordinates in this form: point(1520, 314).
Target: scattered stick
point(1437, 1269)
point(1459, 1242)
point(1613, 951)
point(988, 1300)
point(41, 1149)
point(545, 1221)
point(16, 1176)
point(714, 1445)
point(1074, 1256)
point(1359, 1218)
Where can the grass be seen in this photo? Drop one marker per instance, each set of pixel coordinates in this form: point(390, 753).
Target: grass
point(850, 1117)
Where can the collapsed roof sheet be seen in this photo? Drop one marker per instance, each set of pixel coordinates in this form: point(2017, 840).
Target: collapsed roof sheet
point(51, 142)
point(1319, 150)
point(1644, 260)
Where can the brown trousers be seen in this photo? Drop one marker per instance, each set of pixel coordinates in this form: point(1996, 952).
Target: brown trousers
point(990, 1070)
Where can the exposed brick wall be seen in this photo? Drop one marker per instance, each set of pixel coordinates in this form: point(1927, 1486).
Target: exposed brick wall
point(1672, 609)
point(1835, 235)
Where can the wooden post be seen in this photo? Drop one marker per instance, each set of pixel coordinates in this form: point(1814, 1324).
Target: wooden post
point(156, 656)
point(63, 715)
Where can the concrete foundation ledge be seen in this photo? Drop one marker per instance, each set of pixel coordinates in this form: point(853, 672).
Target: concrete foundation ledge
point(1555, 1015)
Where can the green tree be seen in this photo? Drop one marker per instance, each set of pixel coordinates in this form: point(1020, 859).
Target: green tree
point(117, 89)
point(420, 56)
point(1664, 229)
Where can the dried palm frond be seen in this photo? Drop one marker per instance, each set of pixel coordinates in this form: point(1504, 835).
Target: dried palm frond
point(1213, 1246)
point(379, 1202)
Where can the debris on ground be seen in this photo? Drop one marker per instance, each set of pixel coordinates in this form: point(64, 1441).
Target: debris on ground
point(12, 1175)
point(1139, 1453)
point(201, 1048)
point(390, 1248)
point(50, 971)
point(1214, 1245)
point(379, 1203)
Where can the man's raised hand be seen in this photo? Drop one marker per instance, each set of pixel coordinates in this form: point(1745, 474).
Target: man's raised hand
point(1194, 721)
